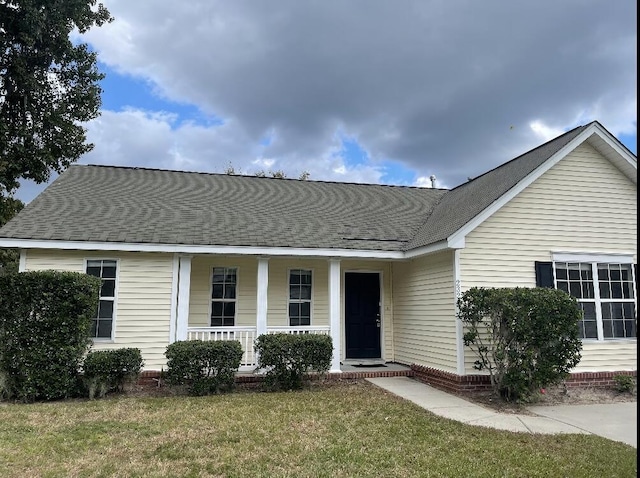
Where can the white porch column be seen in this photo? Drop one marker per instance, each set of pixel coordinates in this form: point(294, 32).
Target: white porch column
point(263, 286)
point(184, 286)
point(334, 313)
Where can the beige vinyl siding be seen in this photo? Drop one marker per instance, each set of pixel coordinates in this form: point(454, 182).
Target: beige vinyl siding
point(386, 299)
point(143, 296)
point(200, 294)
point(582, 204)
point(424, 312)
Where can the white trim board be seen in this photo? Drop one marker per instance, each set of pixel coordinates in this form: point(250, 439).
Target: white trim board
point(198, 249)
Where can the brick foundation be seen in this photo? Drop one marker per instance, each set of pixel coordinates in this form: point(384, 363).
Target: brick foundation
point(451, 382)
point(150, 377)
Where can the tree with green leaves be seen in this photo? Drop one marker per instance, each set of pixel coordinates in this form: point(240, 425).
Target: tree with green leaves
point(49, 86)
point(9, 258)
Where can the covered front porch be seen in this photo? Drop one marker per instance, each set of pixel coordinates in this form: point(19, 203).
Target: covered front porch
point(241, 297)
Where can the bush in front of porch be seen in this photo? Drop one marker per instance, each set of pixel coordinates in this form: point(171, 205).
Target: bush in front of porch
point(288, 358)
point(203, 367)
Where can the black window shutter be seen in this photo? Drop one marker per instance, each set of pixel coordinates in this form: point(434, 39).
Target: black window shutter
point(544, 274)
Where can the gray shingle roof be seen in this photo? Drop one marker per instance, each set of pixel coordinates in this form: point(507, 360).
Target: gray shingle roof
point(113, 204)
point(136, 205)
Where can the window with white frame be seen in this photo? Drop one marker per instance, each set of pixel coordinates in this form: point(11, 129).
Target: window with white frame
point(606, 293)
point(106, 270)
point(224, 284)
point(300, 283)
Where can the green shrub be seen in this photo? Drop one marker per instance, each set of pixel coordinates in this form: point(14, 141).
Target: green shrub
point(107, 370)
point(287, 358)
point(205, 367)
point(624, 383)
point(45, 321)
point(526, 338)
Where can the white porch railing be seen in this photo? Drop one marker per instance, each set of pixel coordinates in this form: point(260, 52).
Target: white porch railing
point(307, 329)
point(246, 336)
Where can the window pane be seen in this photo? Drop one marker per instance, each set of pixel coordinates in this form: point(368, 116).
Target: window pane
point(216, 309)
point(561, 271)
point(616, 310)
point(218, 275)
point(574, 272)
point(603, 272)
point(294, 292)
point(587, 290)
point(627, 290)
point(93, 270)
point(230, 291)
point(590, 329)
point(305, 321)
point(615, 273)
point(305, 277)
point(294, 309)
point(618, 329)
point(604, 290)
point(109, 272)
point(589, 310)
point(104, 328)
point(216, 321)
point(228, 321)
point(616, 290)
point(575, 290)
point(305, 309)
point(294, 321)
point(305, 292)
point(586, 273)
point(217, 291)
point(229, 309)
point(108, 288)
point(628, 310)
point(105, 309)
point(607, 328)
point(630, 328)
point(294, 277)
point(564, 286)
point(230, 276)
point(606, 311)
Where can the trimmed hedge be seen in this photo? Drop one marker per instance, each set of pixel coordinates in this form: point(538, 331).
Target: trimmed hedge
point(45, 321)
point(288, 358)
point(204, 367)
point(108, 370)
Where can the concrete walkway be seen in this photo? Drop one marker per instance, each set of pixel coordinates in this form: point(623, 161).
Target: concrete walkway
point(614, 421)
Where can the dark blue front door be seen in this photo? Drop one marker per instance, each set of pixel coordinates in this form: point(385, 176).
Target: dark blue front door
point(362, 314)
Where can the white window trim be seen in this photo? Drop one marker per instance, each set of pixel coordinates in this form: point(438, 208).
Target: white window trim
point(311, 301)
point(594, 259)
point(235, 313)
point(112, 339)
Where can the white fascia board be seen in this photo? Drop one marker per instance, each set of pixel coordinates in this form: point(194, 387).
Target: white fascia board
point(615, 145)
point(198, 249)
point(424, 250)
point(457, 238)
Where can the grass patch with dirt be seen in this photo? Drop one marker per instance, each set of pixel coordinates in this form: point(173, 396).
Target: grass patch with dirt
point(341, 430)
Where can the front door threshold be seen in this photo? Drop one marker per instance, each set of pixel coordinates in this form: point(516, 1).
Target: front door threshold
point(368, 362)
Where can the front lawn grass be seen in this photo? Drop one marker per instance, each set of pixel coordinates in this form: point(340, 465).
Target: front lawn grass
point(343, 430)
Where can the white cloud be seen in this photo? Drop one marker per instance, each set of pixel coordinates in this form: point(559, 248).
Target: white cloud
point(445, 88)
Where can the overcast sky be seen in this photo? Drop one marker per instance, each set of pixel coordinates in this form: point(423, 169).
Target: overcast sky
point(357, 90)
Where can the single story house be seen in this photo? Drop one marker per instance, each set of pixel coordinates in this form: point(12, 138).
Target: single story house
point(188, 255)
